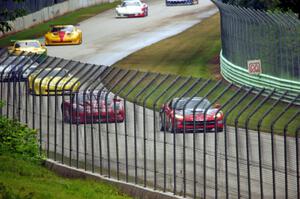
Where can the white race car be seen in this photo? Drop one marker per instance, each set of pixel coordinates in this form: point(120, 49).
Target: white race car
point(132, 8)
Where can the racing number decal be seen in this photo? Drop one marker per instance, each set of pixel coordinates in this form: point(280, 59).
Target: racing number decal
point(254, 67)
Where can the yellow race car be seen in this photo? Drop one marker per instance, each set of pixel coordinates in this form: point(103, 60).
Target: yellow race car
point(32, 46)
point(55, 81)
point(63, 35)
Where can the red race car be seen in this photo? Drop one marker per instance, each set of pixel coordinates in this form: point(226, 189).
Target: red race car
point(90, 107)
point(178, 114)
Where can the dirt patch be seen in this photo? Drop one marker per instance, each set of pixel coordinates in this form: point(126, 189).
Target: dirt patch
point(215, 62)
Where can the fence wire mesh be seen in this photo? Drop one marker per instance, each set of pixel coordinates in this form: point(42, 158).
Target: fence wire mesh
point(249, 34)
point(194, 137)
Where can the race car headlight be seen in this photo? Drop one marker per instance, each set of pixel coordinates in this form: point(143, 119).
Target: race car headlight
point(219, 115)
point(178, 116)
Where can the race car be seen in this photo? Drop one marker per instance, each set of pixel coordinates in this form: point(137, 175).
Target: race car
point(49, 81)
point(184, 113)
point(132, 8)
point(16, 68)
point(92, 107)
point(29, 46)
point(63, 35)
point(181, 2)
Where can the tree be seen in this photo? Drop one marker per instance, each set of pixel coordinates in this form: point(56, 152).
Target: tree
point(7, 14)
point(282, 5)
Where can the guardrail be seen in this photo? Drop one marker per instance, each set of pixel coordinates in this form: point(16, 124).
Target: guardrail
point(272, 38)
point(194, 137)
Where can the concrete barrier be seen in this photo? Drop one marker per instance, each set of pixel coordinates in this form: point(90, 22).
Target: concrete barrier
point(48, 13)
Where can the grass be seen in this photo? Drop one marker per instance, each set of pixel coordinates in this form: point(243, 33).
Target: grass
point(69, 18)
point(192, 52)
point(23, 179)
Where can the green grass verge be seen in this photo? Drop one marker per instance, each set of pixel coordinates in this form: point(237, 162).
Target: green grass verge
point(23, 179)
point(69, 18)
point(193, 52)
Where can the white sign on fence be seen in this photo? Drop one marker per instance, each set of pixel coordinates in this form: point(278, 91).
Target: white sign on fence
point(254, 67)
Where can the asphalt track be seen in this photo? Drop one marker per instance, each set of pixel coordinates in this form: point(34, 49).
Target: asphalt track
point(126, 148)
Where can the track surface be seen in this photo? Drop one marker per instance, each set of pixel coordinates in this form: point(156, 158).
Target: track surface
point(107, 39)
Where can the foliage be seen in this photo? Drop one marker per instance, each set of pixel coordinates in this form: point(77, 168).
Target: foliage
point(17, 139)
point(282, 5)
point(24, 179)
point(7, 15)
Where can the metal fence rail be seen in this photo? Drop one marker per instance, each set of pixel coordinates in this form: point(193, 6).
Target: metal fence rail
point(273, 38)
point(194, 137)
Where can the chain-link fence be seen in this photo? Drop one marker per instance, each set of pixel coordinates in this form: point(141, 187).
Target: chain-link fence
point(29, 5)
point(194, 137)
point(272, 38)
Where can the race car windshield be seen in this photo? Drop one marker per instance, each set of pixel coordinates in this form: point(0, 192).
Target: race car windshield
point(128, 3)
point(62, 29)
point(27, 44)
point(54, 73)
point(191, 104)
point(87, 97)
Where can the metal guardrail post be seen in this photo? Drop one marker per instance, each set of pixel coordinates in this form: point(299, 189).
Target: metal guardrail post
point(33, 80)
point(3, 79)
point(297, 160)
point(204, 126)
point(40, 98)
point(19, 75)
point(194, 139)
point(204, 131)
point(244, 96)
point(272, 141)
point(247, 136)
point(110, 69)
point(94, 85)
point(285, 151)
point(259, 141)
point(154, 139)
point(174, 138)
point(225, 138)
point(144, 127)
point(236, 120)
point(126, 146)
point(125, 97)
point(107, 119)
point(106, 74)
point(144, 118)
point(83, 76)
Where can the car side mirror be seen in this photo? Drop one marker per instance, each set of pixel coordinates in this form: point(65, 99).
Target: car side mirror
point(217, 105)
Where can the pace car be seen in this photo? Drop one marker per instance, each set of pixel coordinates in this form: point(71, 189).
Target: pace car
point(93, 107)
point(29, 46)
point(16, 68)
point(49, 81)
point(184, 113)
point(180, 2)
point(63, 35)
point(132, 8)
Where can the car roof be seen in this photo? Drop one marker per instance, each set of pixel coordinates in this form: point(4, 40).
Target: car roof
point(62, 25)
point(28, 40)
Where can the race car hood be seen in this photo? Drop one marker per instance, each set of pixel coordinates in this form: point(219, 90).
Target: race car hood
point(32, 50)
point(57, 82)
point(129, 9)
point(199, 114)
